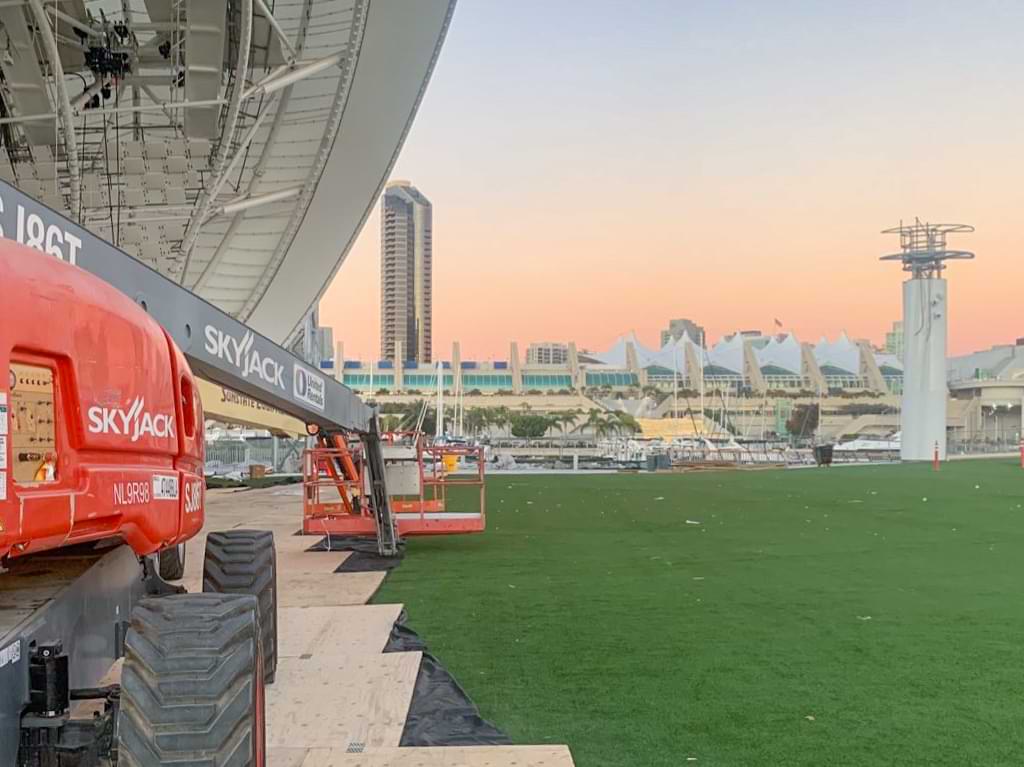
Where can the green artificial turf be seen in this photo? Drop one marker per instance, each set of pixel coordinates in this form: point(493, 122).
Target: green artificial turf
point(860, 616)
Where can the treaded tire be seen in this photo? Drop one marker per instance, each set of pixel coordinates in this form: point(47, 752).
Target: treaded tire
point(172, 563)
point(192, 684)
point(245, 562)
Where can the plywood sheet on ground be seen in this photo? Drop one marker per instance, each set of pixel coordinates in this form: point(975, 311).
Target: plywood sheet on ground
point(469, 756)
point(360, 701)
point(286, 757)
point(310, 561)
point(333, 589)
point(322, 632)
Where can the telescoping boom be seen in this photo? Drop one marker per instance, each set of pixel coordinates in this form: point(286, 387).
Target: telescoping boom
point(218, 347)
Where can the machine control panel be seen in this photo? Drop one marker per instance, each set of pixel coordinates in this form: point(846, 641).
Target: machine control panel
point(33, 444)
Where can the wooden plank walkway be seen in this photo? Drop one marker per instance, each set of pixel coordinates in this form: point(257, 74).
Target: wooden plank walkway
point(471, 756)
point(338, 700)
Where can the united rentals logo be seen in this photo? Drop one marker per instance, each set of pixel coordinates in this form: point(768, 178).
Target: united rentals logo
point(243, 356)
point(135, 422)
point(309, 387)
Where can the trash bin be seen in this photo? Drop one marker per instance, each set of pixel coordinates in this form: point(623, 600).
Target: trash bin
point(823, 455)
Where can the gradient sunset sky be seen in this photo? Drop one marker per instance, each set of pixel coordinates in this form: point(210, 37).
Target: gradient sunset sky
point(601, 167)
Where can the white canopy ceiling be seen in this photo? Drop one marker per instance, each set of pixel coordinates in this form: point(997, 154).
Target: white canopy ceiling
point(235, 145)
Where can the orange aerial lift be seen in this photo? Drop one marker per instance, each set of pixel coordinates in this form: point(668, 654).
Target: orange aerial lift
point(427, 493)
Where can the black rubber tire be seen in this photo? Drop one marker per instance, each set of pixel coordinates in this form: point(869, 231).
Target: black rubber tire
point(172, 563)
point(245, 562)
point(192, 684)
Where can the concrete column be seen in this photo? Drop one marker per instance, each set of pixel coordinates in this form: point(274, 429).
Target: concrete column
point(339, 360)
point(456, 367)
point(925, 389)
point(517, 373)
point(869, 369)
point(694, 367)
point(809, 368)
point(751, 370)
point(633, 363)
point(574, 366)
point(399, 364)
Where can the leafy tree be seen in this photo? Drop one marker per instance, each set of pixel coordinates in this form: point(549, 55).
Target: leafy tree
point(803, 420)
point(529, 425)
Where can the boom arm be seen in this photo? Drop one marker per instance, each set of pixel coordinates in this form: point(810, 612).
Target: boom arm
point(218, 347)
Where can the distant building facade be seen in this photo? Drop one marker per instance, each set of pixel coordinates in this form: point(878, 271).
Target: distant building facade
point(894, 339)
point(746, 365)
point(406, 274)
point(676, 328)
point(547, 353)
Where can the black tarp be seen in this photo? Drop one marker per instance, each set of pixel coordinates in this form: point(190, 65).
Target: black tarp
point(441, 713)
point(363, 558)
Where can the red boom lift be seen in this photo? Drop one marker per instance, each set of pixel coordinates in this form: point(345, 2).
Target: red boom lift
point(101, 483)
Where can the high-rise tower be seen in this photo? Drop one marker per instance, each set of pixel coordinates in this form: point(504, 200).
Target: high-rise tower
point(923, 253)
point(406, 273)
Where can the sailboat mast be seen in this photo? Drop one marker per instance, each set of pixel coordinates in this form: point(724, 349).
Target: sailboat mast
point(439, 426)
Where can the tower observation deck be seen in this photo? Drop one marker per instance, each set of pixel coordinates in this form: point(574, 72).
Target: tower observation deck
point(924, 253)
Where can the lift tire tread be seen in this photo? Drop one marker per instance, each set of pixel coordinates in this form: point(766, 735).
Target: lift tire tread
point(245, 562)
point(191, 685)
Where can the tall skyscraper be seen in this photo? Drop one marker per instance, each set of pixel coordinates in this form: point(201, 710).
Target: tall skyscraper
point(406, 267)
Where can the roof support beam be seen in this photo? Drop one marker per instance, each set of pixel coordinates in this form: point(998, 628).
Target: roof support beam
point(206, 198)
point(63, 104)
point(245, 203)
point(277, 29)
point(160, 107)
point(265, 155)
point(299, 71)
point(359, 11)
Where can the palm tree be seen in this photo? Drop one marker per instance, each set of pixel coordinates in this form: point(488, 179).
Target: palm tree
point(605, 425)
point(474, 419)
point(554, 422)
point(626, 422)
point(502, 418)
point(410, 415)
point(567, 420)
point(596, 421)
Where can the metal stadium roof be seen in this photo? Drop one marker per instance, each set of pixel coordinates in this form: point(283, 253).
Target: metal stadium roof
point(235, 145)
